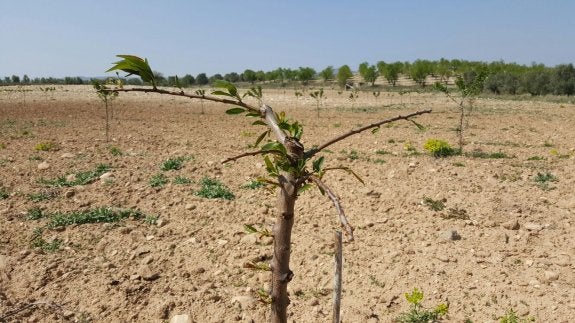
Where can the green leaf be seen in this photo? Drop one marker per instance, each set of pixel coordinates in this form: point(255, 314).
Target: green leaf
point(418, 125)
point(304, 188)
point(250, 229)
point(134, 65)
point(235, 111)
point(375, 130)
point(270, 167)
point(349, 171)
point(274, 146)
point(261, 137)
point(317, 164)
point(259, 123)
point(253, 114)
point(221, 93)
point(231, 89)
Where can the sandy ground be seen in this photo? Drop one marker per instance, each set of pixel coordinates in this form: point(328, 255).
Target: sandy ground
point(514, 247)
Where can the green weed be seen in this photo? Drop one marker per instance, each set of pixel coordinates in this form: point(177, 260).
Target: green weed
point(2, 145)
point(98, 215)
point(180, 180)
point(4, 194)
point(158, 180)
point(151, 219)
point(543, 180)
point(35, 213)
point(253, 184)
point(115, 151)
point(536, 158)
point(439, 148)
point(511, 317)
point(214, 189)
point(434, 205)
point(382, 152)
point(81, 178)
point(481, 154)
point(46, 146)
point(34, 158)
point(419, 314)
point(42, 196)
point(173, 163)
point(52, 246)
point(458, 164)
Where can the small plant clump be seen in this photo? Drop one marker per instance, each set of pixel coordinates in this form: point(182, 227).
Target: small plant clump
point(439, 148)
point(254, 184)
point(181, 180)
point(158, 180)
point(173, 163)
point(115, 151)
point(511, 317)
point(98, 215)
point(46, 146)
point(434, 205)
point(543, 179)
point(4, 193)
point(81, 178)
point(214, 189)
point(481, 154)
point(419, 314)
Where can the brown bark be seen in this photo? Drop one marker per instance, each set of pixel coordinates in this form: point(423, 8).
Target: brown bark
point(281, 273)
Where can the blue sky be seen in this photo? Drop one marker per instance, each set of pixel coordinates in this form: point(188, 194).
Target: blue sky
point(81, 38)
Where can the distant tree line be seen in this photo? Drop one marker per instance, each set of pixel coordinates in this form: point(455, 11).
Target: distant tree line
point(503, 78)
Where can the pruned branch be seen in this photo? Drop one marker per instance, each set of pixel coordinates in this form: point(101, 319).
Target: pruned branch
point(312, 152)
point(187, 95)
point(342, 218)
point(27, 306)
point(270, 118)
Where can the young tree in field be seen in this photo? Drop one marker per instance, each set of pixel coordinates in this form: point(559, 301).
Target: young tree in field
point(249, 76)
point(232, 77)
point(419, 71)
point(368, 73)
point(390, 71)
point(327, 74)
point(289, 166)
point(188, 80)
point(468, 91)
point(343, 75)
point(202, 79)
point(305, 74)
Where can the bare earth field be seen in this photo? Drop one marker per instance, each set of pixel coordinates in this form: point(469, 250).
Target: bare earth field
point(514, 247)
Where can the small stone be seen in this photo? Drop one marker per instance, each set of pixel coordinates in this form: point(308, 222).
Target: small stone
point(190, 207)
point(442, 257)
point(529, 262)
point(147, 260)
point(550, 276)
point(314, 302)
point(43, 166)
point(450, 235)
point(135, 277)
point(161, 222)
point(531, 226)
point(249, 239)
point(267, 241)
point(222, 242)
point(68, 314)
point(67, 155)
point(511, 225)
point(149, 275)
point(181, 318)
point(245, 302)
point(3, 262)
point(106, 175)
point(69, 193)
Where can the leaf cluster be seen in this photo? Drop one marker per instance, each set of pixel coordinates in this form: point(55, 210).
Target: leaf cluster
point(134, 65)
point(80, 178)
point(419, 314)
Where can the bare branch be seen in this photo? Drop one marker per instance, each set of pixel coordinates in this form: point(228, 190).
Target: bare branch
point(252, 153)
point(312, 152)
point(342, 218)
point(187, 95)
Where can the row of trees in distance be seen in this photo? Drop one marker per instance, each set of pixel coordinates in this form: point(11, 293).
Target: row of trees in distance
point(503, 78)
